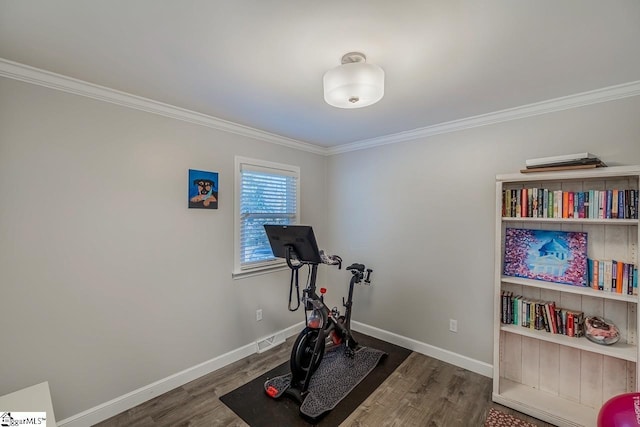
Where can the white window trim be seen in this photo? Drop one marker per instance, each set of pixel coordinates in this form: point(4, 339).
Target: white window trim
point(267, 267)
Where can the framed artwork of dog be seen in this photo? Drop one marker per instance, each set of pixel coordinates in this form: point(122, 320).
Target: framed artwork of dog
point(203, 189)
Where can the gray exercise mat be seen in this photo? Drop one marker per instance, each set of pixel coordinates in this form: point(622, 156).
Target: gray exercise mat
point(336, 376)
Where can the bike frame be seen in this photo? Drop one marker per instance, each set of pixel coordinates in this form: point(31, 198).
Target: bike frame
point(329, 323)
point(312, 301)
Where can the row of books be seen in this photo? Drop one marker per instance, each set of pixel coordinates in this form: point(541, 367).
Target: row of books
point(612, 276)
point(545, 203)
point(540, 315)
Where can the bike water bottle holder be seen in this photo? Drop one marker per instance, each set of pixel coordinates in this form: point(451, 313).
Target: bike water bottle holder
point(315, 320)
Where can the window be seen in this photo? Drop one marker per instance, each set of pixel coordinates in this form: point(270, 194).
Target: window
point(266, 193)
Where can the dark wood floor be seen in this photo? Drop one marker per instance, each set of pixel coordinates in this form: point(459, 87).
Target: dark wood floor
point(422, 391)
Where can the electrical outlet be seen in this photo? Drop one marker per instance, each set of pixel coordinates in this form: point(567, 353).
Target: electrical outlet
point(453, 325)
point(258, 315)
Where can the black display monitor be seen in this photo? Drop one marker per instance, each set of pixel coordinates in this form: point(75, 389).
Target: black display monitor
point(298, 237)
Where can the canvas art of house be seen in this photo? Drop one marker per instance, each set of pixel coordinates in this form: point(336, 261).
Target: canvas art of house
point(552, 256)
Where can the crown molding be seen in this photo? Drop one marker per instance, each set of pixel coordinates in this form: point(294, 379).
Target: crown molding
point(28, 74)
point(606, 94)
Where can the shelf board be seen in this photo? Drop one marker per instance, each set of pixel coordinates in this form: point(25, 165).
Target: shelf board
point(618, 350)
point(580, 290)
point(626, 221)
point(545, 406)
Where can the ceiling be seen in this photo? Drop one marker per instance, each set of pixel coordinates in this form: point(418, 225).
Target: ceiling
point(260, 63)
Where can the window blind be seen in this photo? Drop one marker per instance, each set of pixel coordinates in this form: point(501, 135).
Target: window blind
point(267, 196)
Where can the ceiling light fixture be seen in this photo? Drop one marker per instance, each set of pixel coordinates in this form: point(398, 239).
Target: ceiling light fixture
point(354, 84)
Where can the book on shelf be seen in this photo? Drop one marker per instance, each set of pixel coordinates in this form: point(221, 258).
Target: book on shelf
point(625, 277)
point(507, 203)
point(560, 322)
point(587, 204)
point(570, 325)
point(579, 206)
point(551, 317)
point(547, 200)
point(576, 320)
point(608, 269)
point(601, 275)
point(632, 203)
point(590, 276)
point(516, 309)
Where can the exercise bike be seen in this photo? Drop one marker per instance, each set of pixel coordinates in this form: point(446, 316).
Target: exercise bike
point(324, 327)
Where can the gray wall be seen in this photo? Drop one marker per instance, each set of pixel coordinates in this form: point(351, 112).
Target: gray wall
point(108, 282)
point(421, 213)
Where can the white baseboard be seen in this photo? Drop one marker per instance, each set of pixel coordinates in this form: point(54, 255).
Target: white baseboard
point(459, 360)
point(271, 341)
point(120, 404)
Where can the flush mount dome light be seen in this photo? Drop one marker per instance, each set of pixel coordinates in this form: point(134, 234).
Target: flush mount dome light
point(354, 84)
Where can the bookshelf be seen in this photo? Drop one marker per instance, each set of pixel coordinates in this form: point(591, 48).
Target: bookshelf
point(560, 379)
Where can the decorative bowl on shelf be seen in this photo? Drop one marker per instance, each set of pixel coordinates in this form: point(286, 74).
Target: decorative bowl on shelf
point(601, 331)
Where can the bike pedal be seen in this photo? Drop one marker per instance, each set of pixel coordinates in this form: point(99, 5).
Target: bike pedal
point(272, 391)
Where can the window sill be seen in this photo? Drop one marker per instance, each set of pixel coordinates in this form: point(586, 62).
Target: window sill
point(241, 274)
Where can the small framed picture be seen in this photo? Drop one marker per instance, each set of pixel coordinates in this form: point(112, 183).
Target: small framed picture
point(203, 189)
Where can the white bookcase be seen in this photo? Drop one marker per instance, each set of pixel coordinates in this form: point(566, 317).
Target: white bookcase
point(559, 379)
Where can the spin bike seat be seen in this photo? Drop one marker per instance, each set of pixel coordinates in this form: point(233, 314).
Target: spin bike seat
point(359, 267)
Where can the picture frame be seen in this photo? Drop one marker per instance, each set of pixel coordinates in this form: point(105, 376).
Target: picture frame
point(551, 256)
point(203, 189)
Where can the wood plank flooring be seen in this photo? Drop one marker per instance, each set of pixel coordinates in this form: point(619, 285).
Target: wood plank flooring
point(422, 391)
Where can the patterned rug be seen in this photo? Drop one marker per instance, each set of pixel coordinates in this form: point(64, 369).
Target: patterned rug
point(496, 418)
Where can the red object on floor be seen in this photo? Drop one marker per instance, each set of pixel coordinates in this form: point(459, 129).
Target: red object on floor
point(620, 411)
